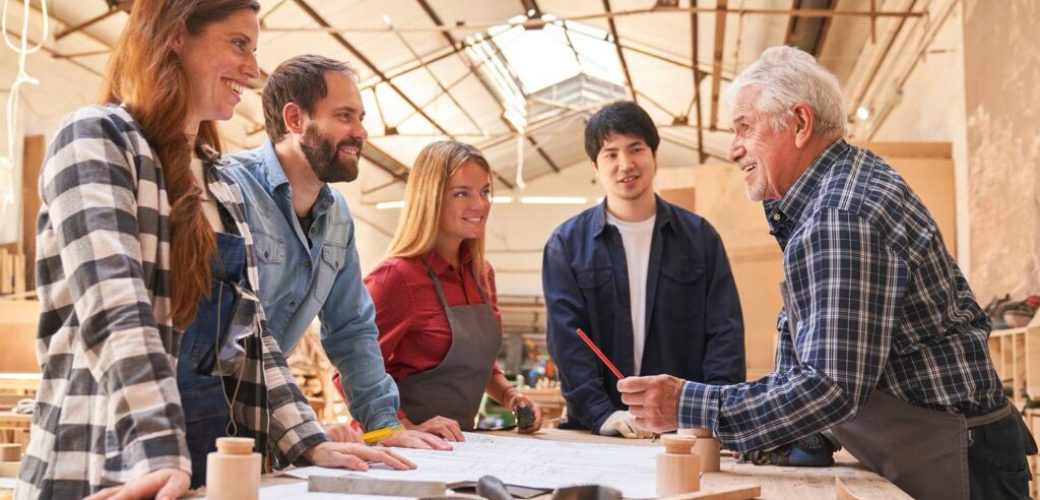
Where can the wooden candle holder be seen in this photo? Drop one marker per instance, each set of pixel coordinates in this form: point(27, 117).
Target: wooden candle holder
point(678, 468)
point(708, 448)
point(233, 471)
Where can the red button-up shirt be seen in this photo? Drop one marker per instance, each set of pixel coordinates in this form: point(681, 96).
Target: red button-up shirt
point(414, 334)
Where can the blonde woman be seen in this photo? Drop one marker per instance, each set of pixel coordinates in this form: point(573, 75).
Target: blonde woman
point(436, 309)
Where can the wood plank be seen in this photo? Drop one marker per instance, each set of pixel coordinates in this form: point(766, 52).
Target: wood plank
point(943, 150)
point(6, 272)
point(1032, 361)
point(1016, 379)
point(34, 150)
point(19, 275)
point(729, 493)
point(18, 320)
point(683, 197)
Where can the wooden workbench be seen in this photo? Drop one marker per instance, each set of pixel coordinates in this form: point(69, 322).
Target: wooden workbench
point(797, 483)
point(776, 482)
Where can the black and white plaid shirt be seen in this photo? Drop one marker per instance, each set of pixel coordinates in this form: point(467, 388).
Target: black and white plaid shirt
point(881, 305)
point(108, 410)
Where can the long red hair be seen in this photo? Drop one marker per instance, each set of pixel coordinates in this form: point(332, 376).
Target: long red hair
point(144, 75)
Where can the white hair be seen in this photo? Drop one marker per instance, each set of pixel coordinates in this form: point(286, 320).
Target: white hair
point(787, 76)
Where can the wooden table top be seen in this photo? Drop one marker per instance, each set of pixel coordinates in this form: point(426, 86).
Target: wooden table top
point(798, 483)
point(776, 482)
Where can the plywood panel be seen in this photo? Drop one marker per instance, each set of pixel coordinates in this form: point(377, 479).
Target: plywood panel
point(18, 320)
point(34, 149)
point(683, 197)
point(758, 272)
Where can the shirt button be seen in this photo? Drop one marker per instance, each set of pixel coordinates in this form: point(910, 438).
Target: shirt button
point(292, 303)
point(776, 216)
point(307, 264)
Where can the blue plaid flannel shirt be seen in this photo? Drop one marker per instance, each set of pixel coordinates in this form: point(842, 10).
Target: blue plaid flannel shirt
point(881, 305)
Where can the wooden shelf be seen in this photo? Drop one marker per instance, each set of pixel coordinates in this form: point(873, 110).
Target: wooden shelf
point(1016, 357)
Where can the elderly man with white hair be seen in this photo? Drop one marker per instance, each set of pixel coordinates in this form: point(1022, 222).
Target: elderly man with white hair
point(880, 339)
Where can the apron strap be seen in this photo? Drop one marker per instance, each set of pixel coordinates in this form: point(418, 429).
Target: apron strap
point(440, 290)
point(437, 287)
point(480, 289)
point(991, 417)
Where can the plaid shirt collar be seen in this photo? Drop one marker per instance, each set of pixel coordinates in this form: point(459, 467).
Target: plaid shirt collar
point(784, 214)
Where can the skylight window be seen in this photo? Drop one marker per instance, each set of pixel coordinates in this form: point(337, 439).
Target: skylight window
point(527, 56)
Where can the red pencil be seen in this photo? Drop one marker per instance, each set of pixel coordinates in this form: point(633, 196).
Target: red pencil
point(599, 353)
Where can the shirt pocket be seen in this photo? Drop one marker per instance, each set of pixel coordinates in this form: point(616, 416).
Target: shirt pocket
point(597, 287)
point(680, 294)
point(333, 259)
point(268, 249)
point(594, 278)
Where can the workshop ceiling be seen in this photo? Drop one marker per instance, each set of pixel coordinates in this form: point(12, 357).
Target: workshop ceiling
point(518, 78)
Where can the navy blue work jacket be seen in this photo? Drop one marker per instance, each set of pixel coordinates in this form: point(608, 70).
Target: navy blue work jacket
point(694, 328)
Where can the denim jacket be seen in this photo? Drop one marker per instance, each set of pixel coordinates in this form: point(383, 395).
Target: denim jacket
point(694, 328)
point(301, 280)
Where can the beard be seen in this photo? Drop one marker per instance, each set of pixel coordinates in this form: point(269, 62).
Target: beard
point(756, 190)
point(323, 156)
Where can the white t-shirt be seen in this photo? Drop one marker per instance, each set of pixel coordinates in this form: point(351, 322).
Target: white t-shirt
point(636, 238)
point(209, 203)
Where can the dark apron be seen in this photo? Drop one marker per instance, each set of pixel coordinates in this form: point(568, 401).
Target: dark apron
point(206, 409)
point(454, 388)
point(922, 451)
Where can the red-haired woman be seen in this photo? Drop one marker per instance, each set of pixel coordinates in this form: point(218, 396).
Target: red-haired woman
point(144, 256)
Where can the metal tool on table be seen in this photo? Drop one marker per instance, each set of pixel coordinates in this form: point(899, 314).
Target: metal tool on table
point(357, 485)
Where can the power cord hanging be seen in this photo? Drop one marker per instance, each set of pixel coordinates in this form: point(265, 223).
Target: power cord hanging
point(22, 49)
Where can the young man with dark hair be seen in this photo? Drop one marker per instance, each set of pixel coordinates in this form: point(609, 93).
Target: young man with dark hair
point(304, 233)
point(648, 281)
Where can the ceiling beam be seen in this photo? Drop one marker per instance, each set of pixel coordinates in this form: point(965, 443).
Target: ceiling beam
point(484, 25)
point(531, 5)
point(808, 33)
point(317, 18)
point(254, 86)
point(697, 78)
point(302, 4)
point(405, 68)
point(620, 52)
point(716, 63)
point(935, 26)
point(436, 19)
point(878, 61)
point(112, 10)
point(385, 161)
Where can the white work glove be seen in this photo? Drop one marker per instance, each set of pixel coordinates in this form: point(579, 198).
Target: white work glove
point(622, 422)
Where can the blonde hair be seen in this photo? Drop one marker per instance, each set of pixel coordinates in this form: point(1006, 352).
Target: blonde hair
point(420, 217)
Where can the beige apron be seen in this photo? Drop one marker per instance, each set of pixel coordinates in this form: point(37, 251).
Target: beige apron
point(922, 451)
point(454, 388)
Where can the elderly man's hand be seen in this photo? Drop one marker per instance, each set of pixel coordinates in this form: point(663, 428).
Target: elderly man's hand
point(654, 401)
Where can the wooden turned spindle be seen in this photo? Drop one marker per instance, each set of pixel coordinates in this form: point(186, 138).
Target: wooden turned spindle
point(708, 448)
point(678, 468)
point(233, 471)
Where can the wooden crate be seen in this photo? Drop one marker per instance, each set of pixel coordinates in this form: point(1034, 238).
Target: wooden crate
point(1016, 357)
point(14, 428)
